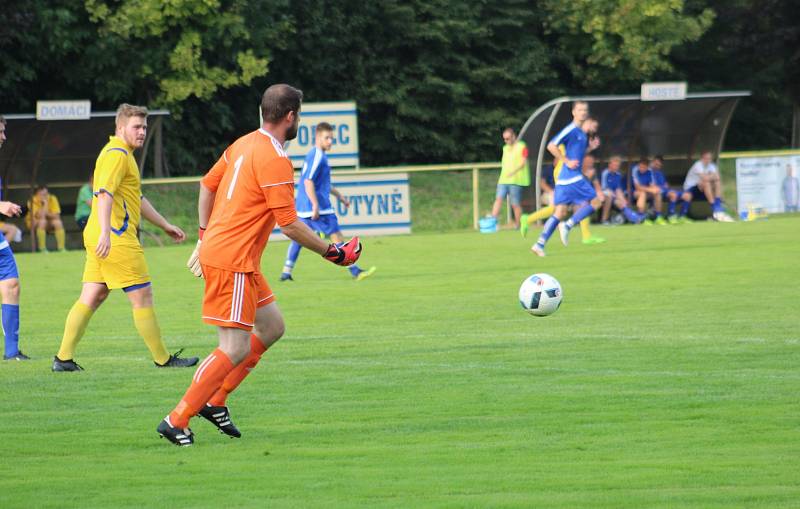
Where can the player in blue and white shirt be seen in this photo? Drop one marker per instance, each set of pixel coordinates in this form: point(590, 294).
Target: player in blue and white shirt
point(703, 181)
point(578, 138)
point(313, 201)
point(612, 182)
point(672, 196)
point(646, 189)
point(9, 280)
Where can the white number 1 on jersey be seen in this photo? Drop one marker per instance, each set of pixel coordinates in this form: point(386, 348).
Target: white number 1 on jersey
point(236, 166)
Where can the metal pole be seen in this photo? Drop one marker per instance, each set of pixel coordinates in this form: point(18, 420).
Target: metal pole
point(475, 204)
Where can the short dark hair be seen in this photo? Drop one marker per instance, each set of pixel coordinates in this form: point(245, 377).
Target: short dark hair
point(324, 127)
point(2, 120)
point(658, 157)
point(644, 160)
point(278, 100)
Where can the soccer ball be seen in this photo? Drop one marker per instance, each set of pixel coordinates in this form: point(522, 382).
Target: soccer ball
point(540, 295)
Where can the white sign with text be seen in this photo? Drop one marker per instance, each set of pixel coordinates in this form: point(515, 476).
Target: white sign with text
point(343, 116)
point(379, 205)
point(760, 181)
point(63, 110)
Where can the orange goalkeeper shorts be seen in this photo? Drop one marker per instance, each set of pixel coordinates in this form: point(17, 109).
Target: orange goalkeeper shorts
point(231, 298)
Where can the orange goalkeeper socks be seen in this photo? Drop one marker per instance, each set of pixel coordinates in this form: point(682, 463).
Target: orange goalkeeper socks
point(239, 373)
point(205, 382)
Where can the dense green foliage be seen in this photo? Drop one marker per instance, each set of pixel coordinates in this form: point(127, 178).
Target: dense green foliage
point(668, 378)
point(435, 80)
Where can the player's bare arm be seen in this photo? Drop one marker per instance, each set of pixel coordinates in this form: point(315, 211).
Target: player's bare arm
point(152, 215)
point(558, 156)
point(10, 209)
point(311, 191)
point(205, 204)
point(104, 203)
point(342, 198)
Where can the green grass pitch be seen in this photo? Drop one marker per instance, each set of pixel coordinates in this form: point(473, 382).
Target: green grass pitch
point(669, 378)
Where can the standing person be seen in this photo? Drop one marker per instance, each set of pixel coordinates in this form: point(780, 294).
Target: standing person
point(313, 202)
point(9, 280)
point(114, 256)
point(44, 214)
point(242, 197)
point(83, 205)
point(571, 188)
point(790, 190)
point(514, 175)
point(703, 182)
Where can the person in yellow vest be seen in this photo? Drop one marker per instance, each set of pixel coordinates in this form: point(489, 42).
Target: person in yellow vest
point(514, 175)
point(44, 215)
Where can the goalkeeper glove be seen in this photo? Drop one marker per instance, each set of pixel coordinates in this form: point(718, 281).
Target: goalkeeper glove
point(194, 260)
point(345, 255)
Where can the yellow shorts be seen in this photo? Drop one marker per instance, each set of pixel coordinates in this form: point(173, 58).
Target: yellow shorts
point(125, 266)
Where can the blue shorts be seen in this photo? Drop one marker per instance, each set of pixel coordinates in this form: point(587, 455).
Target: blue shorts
point(8, 265)
point(326, 223)
point(513, 191)
point(572, 194)
point(697, 194)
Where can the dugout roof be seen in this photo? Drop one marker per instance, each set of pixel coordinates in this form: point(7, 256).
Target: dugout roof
point(679, 130)
point(62, 153)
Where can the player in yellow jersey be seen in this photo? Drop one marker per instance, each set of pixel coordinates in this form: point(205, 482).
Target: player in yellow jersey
point(543, 213)
point(114, 256)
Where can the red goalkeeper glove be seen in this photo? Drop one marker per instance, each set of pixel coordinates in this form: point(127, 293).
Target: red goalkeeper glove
point(345, 255)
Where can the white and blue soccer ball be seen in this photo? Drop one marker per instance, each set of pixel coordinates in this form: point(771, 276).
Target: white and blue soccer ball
point(540, 294)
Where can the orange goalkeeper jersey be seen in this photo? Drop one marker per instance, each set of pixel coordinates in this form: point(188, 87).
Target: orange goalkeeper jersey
point(253, 178)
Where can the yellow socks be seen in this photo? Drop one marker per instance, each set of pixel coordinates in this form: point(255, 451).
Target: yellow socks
point(542, 213)
point(585, 233)
point(77, 319)
point(60, 239)
point(41, 242)
point(147, 325)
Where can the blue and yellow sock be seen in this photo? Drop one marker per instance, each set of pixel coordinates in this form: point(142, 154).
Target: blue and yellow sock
point(11, 328)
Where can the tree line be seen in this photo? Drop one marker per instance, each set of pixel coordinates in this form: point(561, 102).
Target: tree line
point(435, 80)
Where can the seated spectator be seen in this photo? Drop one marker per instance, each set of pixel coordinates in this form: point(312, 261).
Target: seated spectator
point(44, 214)
point(645, 190)
point(703, 182)
point(612, 184)
point(83, 205)
point(671, 195)
point(590, 174)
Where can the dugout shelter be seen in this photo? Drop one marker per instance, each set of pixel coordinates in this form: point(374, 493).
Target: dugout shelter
point(680, 130)
point(62, 154)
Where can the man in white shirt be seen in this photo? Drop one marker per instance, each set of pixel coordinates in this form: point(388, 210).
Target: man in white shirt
point(703, 182)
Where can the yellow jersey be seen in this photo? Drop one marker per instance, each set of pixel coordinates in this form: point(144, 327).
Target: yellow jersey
point(35, 206)
point(116, 173)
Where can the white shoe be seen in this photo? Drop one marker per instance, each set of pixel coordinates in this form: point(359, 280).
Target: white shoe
point(563, 232)
point(537, 250)
point(722, 217)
